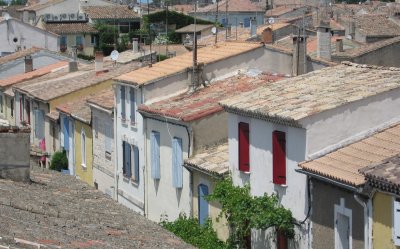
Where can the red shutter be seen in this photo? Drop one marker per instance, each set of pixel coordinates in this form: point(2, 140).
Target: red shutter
point(279, 157)
point(281, 240)
point(244, 147)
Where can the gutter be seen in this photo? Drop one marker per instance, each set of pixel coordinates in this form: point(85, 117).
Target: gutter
point(328, 180)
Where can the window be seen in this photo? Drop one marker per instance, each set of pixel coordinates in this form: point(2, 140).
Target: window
point(66, 133)
point(28, 111)
point(78, 40)
point(107, 140)
point(177, 162)
point(155, 154)
point(21, 108)
point(83, 147)
point(128, 158)
point(63, 40)
point(396, 221)
point(279, 157)
point(203, 203)
point(1, 103)
point(39, 123)
point(244, 147)
point(123, 102)
point(132, 100)
point(12, 107)
point(93, 39)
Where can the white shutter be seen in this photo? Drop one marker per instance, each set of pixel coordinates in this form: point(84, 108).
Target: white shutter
point(396, 220)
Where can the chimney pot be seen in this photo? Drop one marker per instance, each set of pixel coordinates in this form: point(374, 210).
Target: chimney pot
point(299, 65)
point(267, 36)
point(324, 41)
point(98, 62)
point(28, 64)
point(339, 45)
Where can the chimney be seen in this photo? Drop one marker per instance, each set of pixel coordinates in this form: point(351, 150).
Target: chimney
point(195, 76)
point(73, 65)
point(135, 43)
point(339, 45)
point(28, 64)
point(351, 29)
point(98, 62)
point(253, 27)
point(267, 36)
point(324, 41)
point(299, 65)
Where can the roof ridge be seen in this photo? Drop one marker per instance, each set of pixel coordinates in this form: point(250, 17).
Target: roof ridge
point(352, 64)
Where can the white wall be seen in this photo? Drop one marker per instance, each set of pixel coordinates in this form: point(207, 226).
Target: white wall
point(162, 197)
point(27, 37)
point(131, 194)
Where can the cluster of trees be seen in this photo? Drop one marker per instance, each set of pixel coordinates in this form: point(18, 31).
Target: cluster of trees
point(13, 2)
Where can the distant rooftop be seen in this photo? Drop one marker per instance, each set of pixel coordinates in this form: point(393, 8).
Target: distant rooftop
point(18, 54)
point(377, 25)
point(104, 99)
point(233, 6)
point(71, 28)
point(182, 62)
point(203, 102)
point(190, 28)
point(110, 12)
point(39, 6)
point(344, 165)
point(291, 100)
point(213, 160)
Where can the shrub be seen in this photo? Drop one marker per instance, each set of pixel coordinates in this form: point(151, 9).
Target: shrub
point(189, 229)
point(85, 57)
point(59, 161)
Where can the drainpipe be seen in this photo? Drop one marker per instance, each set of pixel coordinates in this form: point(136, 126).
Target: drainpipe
point(145, 168)
point(366, 221)
point(116, 174)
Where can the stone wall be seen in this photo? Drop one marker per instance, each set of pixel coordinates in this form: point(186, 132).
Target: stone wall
point(14, 153)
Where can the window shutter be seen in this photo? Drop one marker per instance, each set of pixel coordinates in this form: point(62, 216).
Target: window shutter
point(155, 155)
point(396, 220)
point(127, 170)
point(36, 114)
point(28, 111)
point(123, 102)
point(41, 124)
point(132, 101)
point(244, 147)
point(21, 109)
point(177, 162)
point(107, 138)
point(136, 161)
point(282, 241)
point(279, 157)
point(66, 134)
point(203, 203)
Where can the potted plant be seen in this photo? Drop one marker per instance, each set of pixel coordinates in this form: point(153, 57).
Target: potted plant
point(79, 47)
point(63, 48)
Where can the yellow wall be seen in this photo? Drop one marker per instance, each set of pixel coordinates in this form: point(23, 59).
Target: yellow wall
point(382, 221)
point(79, 94)
point(214, 210)
point(84, 173)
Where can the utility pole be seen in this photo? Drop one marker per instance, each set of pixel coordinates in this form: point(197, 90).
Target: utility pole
point(226, 19)
point(216, 24)
point(148, 14)
point(166, 30)
point(194, 76)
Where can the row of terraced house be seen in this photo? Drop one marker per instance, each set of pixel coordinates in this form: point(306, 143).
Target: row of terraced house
point(321, 136)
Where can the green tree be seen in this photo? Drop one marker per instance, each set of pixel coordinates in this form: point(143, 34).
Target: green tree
point(59, 161)
point(18, 2)
point(3, 3)
point(245, 212)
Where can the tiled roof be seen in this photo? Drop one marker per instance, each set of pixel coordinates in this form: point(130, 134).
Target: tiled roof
point(70, 28)
point(344, 164)
point(385, 175)
point(279, 11)
point(212, 160)
point(299, 97)
point(40, 6)
point(233, 6)
point(53, 115)
point(183, 8)
point(78, 109)
point(19, 54)
point(110, 12)
point(71, 82)
point(377, 25)
point(103, 99)
point(369, 48)
point(180, 63)
point(203, 102)
point(190, 28)
point(31, 75)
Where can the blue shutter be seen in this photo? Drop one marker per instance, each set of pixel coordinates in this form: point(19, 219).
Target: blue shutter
point(246, 22)
point(155, 155)
point(123, 102)
point(203, 204)
point(40, 124)
point(136, 159)
point(177, 162)
point(66, 134)
point(132, 100)
point(127, 159)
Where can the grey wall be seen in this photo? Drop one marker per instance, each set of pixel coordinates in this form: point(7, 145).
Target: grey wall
point(324, 197)
point(14, 154)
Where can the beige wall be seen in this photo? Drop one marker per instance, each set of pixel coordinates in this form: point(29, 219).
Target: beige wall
point(382, 221)
point(220, 227)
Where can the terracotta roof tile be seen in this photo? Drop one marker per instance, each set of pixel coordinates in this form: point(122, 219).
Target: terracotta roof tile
point(104, 99)
point(40, 6)
point(275, 12)
point(31, 75)
point(377, 25)
point(110, 12)
point(345, 164)
point(214, 160)
point(203, 102)
point(70, 28)
point(233, 6)
point(182, 62)
point(190, 28)
point(19, 54)
point(309, 94)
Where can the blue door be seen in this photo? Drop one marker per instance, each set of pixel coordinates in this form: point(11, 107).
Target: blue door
point(203, 203)
point(246, 22)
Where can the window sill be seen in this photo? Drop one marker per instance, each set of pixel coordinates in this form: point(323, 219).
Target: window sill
point(245, 172)
point(281, 185)
point(134, 183)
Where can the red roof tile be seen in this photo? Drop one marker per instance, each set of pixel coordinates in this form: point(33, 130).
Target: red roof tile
point(192, 106)
point(31, 75)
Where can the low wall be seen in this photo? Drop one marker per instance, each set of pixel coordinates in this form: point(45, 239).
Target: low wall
point(15, 153)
